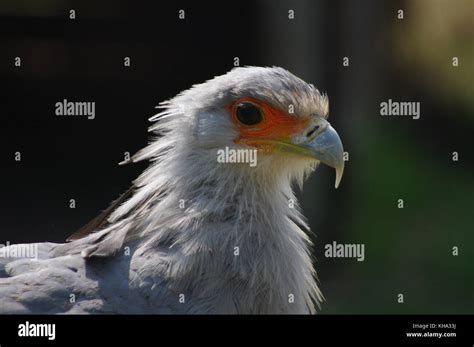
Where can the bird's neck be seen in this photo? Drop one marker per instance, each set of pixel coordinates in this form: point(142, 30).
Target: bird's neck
point(240, 229)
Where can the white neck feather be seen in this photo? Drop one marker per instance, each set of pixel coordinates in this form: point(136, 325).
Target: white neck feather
point(232, 223)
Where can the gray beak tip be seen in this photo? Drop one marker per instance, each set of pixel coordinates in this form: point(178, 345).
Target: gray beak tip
point(339, 173)
point(327, 148)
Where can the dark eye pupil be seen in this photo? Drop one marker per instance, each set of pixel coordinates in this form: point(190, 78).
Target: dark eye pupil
point(249, 114)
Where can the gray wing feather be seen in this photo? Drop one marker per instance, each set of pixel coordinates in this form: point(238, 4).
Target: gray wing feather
point(61, 280)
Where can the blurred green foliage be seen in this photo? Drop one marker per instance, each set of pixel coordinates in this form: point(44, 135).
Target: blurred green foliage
point(409, 250)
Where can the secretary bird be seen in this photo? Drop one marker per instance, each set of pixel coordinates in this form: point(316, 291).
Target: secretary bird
point(195, 234)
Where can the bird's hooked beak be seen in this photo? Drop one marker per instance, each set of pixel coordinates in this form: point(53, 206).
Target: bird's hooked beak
point(322, 142)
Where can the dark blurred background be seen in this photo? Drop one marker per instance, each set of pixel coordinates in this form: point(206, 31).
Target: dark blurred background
point(407, 250)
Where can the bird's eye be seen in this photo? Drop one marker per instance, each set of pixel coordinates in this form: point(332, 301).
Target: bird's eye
point(248, 113)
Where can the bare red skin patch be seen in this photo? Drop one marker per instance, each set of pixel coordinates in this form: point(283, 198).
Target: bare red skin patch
point(276, 125)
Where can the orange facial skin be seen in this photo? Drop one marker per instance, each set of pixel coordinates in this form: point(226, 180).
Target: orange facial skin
point(276, 125)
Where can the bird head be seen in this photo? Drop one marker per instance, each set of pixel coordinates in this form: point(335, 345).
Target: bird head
point(269, 111)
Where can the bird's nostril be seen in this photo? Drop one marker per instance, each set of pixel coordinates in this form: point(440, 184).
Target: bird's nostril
point(312, 131)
